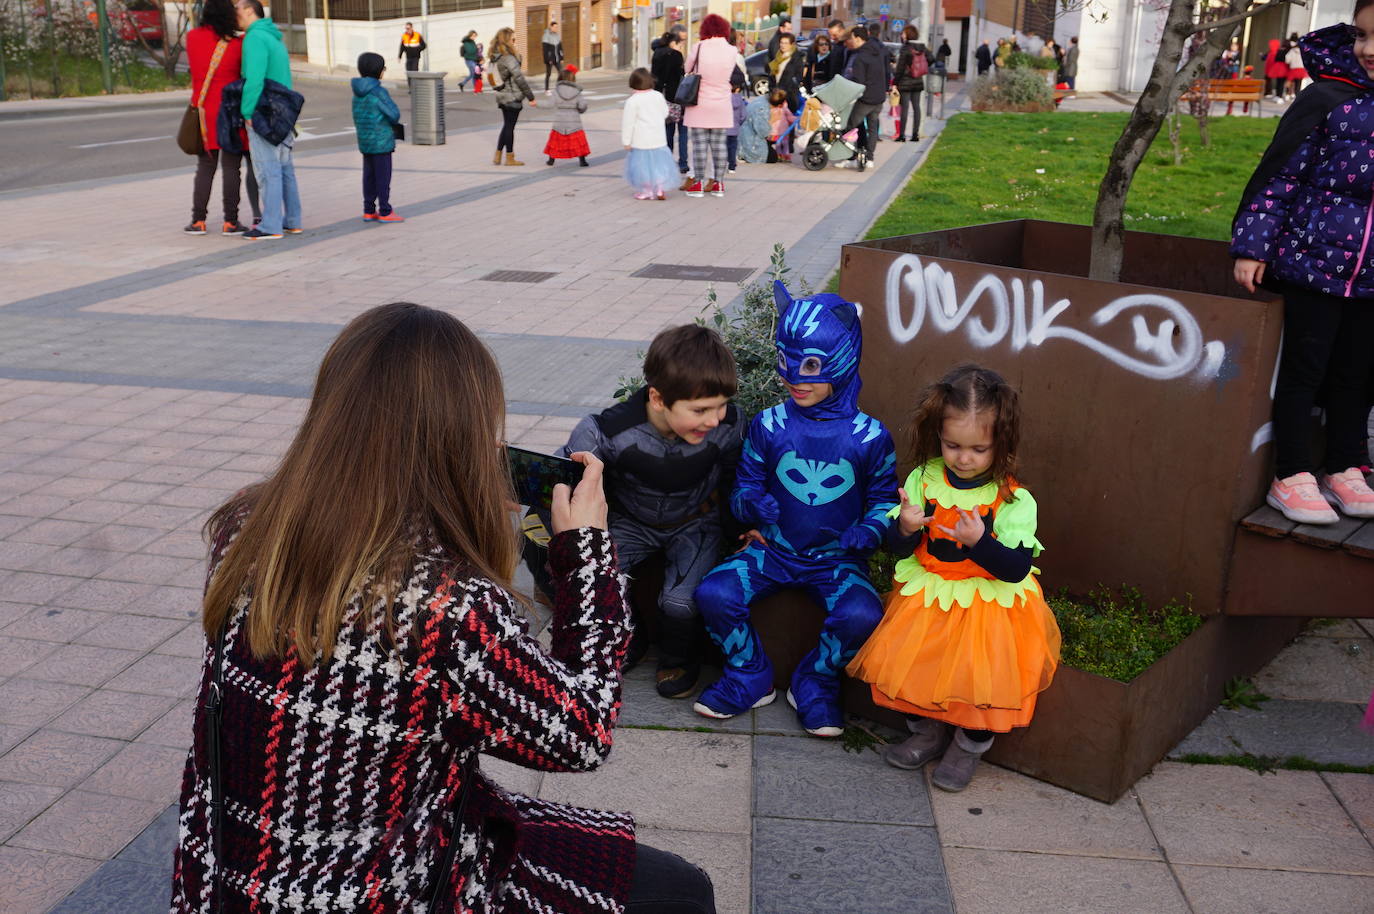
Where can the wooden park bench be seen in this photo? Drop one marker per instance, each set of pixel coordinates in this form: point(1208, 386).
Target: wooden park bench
point(1276, 562)
point(1228, 90)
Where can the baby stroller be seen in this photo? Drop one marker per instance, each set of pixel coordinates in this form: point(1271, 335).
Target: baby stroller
point(832, 141)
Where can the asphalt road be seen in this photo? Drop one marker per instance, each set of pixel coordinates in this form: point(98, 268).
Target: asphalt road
point(47, 150)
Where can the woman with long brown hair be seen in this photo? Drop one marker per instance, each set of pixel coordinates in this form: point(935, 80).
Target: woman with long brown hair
point(512, 91)
point(363, 646)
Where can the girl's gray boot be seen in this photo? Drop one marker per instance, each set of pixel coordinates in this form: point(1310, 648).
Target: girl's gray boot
point(956, 768)
point(928, 739)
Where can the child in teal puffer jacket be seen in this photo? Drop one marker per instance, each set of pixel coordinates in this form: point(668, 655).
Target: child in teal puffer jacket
point(374, 118)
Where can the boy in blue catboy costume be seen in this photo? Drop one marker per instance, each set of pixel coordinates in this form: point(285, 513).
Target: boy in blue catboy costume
point(816, 479)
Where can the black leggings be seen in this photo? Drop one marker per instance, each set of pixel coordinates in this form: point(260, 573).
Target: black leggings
point(230, 165)
point(664, 883)
point(1326, 346)
point(505, 140)
point(912, 126)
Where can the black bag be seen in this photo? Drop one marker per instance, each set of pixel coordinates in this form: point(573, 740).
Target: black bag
point(400, 130)
point(689, 87)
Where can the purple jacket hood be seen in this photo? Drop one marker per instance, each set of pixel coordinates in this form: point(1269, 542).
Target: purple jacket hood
point(1329, 53)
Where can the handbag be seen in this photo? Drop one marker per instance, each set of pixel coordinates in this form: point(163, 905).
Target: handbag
point(687, 90)
point(674, 113)
point(214, 707)
point(191, 135)
point(399, 130)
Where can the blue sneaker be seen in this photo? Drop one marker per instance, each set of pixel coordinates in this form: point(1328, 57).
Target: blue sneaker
point(731, 695)
point(820, 714)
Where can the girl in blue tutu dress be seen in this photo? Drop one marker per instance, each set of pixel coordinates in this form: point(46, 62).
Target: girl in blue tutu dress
point(649, 167)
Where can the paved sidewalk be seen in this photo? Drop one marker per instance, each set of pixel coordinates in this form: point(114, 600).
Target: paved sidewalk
point(146, 375)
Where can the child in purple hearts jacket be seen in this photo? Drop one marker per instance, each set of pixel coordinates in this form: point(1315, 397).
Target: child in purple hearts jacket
point(1305, 228)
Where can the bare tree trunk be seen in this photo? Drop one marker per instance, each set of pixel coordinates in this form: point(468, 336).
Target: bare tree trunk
point(1175, 138)
point(1167, 83)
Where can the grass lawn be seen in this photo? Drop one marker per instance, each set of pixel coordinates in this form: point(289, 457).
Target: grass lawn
point(81, 76)
point(986, 168)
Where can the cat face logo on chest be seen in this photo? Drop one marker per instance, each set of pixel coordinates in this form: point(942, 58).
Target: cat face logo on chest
point(815, 482)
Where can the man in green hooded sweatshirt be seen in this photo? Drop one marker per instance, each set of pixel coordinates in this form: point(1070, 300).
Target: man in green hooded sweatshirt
point(264, 57)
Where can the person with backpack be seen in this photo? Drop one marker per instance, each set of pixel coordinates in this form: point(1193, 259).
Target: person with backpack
point(913, 62)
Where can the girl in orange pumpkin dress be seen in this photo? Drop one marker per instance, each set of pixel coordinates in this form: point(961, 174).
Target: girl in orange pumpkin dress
point(967, 641)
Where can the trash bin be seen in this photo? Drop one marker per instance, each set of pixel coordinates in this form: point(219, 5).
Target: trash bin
point(426, 107)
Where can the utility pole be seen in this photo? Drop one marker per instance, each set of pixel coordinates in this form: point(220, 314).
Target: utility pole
point(103, 24)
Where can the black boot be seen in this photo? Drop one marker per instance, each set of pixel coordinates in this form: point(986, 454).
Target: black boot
point(549, 161)
point(679, 662)
point(584, 162)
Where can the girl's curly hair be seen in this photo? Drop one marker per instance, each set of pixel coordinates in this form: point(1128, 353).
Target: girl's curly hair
point(971, 389)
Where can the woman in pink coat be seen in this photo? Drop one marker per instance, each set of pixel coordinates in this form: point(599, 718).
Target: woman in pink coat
point(714, 58)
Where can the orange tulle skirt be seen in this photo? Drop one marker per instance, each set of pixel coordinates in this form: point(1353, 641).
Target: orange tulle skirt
point(979, 666)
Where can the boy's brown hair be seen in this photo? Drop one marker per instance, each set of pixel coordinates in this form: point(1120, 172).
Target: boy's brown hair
point(690, 362)
point(641, 79)
point(777, 97)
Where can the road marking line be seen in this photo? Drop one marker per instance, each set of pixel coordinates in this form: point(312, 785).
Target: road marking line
point(143, 139)
point(307, 135)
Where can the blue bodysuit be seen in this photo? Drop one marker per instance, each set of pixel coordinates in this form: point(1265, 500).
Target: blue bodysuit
point(817, 482)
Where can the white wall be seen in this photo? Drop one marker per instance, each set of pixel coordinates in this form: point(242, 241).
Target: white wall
point(443, 37)
point(1115, 53)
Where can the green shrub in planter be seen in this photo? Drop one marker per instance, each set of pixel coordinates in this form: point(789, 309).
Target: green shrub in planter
point(1012, 89)
point(749, 334)
point(1116, 634)
point(1031, 61)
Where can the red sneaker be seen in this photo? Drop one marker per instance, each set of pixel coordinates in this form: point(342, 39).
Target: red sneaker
point(369, 217)
point(716, 188)
point(391, 217)
point(693, 188)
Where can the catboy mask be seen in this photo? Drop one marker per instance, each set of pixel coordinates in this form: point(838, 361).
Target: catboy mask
point(819, 342)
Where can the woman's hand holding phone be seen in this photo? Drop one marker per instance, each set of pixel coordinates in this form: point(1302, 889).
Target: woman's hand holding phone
point(584, 506)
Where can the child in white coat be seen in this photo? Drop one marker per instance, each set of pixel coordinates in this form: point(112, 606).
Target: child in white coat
point(649, 168)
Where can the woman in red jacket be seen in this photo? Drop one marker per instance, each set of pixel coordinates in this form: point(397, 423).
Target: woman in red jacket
point(214, 51)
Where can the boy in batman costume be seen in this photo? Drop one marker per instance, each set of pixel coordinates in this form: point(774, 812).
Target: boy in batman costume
point(670, 451)
point(816, 479)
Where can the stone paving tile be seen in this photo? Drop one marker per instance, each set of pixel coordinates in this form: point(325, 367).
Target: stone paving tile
point(82, 664)
point(115, 715)
point(124, 886)
point(159, 674)
point(1323, 731)
point(53, 623)
point(1321, 669)
point(1226, 816)
point(642, 706)
point(173, 728)
point(140, 771)
point(842, 866)
point(156, 843)
point(709, 774)
point(1229, 890)
point(181, 603)
point(35, 880)
point(808, 778)
point(11, 736)
point(1003, 810)
point(13, 612)
point(103, 596)
point(1356, 794)
point(56, 759)
point(726, 858)
point(19, 803)
point(87, 824)
point(134, 633)
point(993, 882)
point(20, 654)
point(31, 703)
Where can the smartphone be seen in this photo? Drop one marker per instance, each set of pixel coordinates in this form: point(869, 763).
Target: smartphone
point(534, 475)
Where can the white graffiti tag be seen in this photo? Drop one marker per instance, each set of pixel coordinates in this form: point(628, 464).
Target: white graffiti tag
point(1166, 336)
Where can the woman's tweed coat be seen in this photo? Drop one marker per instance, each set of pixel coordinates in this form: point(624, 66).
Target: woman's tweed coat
point(340, 777)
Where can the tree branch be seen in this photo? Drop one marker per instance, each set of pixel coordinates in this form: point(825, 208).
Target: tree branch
point(1241, 17)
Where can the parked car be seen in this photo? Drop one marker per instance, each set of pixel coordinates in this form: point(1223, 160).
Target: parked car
point(761, 81)
point(131, 21)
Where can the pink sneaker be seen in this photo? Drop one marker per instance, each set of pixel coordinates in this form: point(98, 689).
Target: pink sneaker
point(1349, 492)
point(1299, 500)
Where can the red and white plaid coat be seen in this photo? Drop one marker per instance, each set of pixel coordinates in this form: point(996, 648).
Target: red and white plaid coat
point(340, 778)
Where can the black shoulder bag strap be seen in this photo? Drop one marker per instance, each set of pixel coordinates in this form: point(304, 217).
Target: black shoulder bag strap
point(214, 708)
point(444, 878)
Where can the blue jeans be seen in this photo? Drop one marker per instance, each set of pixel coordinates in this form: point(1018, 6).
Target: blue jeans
point(377, 183)
point(281, 201)
point(732, 151)
point(678, 131)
